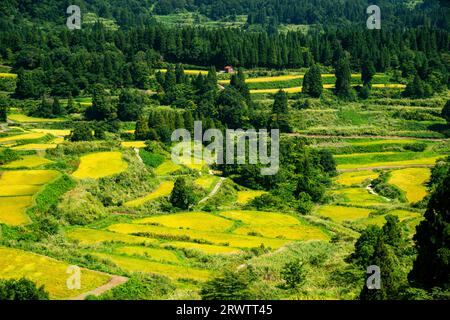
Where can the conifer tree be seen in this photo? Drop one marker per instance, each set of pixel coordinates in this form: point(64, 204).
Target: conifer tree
point(142, 130)
point(312, 82)
point(432, 240)
point(367, 72)
point(343, 87)
point(446, 112)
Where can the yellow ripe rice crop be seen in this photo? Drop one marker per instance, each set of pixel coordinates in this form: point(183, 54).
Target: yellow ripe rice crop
point(353, 155)
point(190, 220)
point(16, 264)
point(36, 146)
point(7, 75)
point(206, 182)
point(353, 178)
point(99, 165)
point(55, 132)
point(28, 177)
point(162, 255)
point(244, 197)
point(174, 272)
point(268, 79)
point(359, 196)
point(163, 190)
point(218, 238)
point(389, 85)
point(412, 182)
point(189, 72)
point(274, 225)
point(23, 118)
point(167, 167)
point(91, 236)
point(12, 210)
point(423, 161)
point(18, 190)
point(341, 214)
point(25, 136)
point(205, 248)
point(133, 144)
point(28, 162)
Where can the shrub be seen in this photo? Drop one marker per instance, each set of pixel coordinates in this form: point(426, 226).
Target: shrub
point(8, 155)
point(229, 286)
point(293, 274)
point(22, 289)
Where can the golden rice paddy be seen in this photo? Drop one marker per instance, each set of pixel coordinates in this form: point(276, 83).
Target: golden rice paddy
point(12, 210)
point(412, 181)
point(99, 165)
point(90, 236)
point(167, 167)
point(205, 248)
point(28, 162)
point(341, 213)
point(162, 255)
point(244, 197)
point(358, 196)
point(15, 264)
point(190, 220)
point(55, 132)
point(25, 136)
point(36, 146)
point(133, 144)
point(355, 178)
point(26, 119)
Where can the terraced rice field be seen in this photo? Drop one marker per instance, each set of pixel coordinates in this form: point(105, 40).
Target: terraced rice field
point(27, 162)
point(355, 178)
point(7, 75)
point(426, 161)
point(99, 165)
point(21, 118)
point(133, 144)
point(244, 197)
point(20, 137)
point(358, 196)
point(55, 132)
point(189, 72)
point(175, 272)
point(156, 254)
point(17, 189)
point(325, 86)
point(90, 236)
point(36, 146)
point(207, 182)
point(190, 220)
point(412, 181)
point(218, 238)
point(341, 213)
point(45, 271)
point(167, 167)
point(274, 225)
point(164, 190)
point(205, 248)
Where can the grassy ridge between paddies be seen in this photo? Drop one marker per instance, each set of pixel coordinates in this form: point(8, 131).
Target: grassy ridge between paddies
point(17, 189)
point(27, 162)
point(412, 181)
point(15, 264)
point(163, 190)
point(355, 178)
point(156, 254)
point(205, 248)
point(173, 271)
point(87, 236)
point(379, 159)
point(100, 164)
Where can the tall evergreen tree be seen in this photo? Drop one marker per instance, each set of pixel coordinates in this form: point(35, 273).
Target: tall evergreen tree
point(367, 72)
point(102, 108)
point(182, 195)
point(446, 112)
point(142, 130)
point(280, 104)
point(432, 240)
point(343, 87)
point(312, 82)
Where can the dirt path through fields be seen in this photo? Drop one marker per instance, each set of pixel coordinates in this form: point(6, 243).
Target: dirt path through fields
point(113, 282)
point(214, 191)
